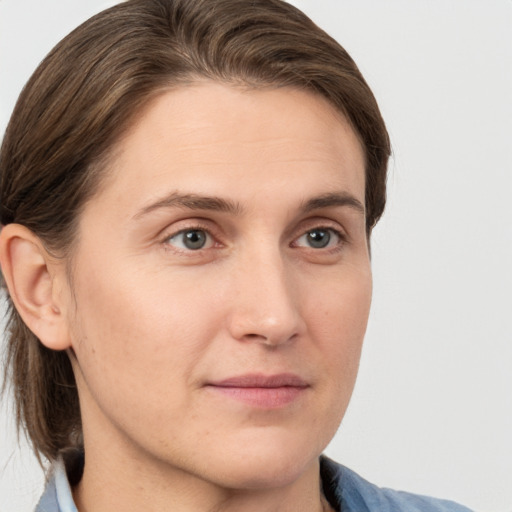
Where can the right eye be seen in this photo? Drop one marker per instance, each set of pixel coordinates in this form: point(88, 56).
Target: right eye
point(191, 239)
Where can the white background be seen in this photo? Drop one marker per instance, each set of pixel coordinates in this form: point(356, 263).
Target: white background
point(432, 411)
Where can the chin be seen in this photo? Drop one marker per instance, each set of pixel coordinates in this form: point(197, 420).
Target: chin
point(263, 465)
point(264, 474)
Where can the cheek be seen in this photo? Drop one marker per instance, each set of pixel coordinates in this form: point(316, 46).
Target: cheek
point(339, 324)
point(137, 333)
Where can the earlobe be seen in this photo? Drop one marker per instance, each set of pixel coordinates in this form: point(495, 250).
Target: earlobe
point(30, 275)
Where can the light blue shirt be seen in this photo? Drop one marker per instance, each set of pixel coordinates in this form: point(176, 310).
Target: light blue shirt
point(345, 490)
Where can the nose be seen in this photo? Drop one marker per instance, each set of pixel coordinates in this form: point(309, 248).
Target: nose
point(266, 302)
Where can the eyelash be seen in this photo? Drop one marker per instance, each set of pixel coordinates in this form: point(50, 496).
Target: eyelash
point(201, 228)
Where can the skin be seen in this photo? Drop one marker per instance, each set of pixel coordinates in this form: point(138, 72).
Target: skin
point(153, 326)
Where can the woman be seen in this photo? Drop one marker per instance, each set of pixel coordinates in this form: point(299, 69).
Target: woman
point(188, 190)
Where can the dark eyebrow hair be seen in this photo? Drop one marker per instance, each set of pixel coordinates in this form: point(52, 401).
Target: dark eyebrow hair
point(334, 199)
point(197, 202)
point(192, 202)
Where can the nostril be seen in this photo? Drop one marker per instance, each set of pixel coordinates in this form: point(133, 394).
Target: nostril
point(270, 340)
point(251, 336)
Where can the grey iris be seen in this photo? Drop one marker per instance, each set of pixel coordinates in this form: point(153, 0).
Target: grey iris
point(319, 238)
point(194, 239)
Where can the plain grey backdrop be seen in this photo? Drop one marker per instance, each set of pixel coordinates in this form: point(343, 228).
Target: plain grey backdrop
point(432, 410)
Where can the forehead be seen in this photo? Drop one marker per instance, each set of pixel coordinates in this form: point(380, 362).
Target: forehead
point(212, 136)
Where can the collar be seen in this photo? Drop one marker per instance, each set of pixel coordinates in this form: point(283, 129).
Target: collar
point(57, 496)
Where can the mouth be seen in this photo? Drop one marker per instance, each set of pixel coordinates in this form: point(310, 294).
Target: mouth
point(261, 391)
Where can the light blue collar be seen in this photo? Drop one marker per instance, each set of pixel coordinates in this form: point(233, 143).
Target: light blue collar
point(57, 496)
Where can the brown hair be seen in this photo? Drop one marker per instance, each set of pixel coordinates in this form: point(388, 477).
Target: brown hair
point(85, 94)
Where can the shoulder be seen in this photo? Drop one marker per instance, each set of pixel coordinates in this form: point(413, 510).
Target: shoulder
point(352, 493)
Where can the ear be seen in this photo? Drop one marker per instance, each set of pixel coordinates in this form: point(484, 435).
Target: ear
point(31, 275)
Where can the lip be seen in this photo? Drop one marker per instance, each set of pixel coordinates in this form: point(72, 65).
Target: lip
point(262, 391)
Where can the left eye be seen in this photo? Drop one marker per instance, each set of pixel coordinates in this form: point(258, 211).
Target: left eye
point(191, 239)
point(319, 238)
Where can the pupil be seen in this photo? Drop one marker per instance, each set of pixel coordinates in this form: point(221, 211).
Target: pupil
point(195, 239)
point(319, 238)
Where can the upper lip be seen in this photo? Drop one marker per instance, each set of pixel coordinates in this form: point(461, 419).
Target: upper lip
point(256, 380)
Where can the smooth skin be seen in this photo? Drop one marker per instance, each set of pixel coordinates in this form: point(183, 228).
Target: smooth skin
point(228, 240)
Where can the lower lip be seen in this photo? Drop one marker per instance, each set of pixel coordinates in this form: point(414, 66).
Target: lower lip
point(267, 398)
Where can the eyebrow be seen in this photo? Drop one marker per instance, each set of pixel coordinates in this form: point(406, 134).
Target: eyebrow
point(192, 202)
point(219, 204)
point(334, 199)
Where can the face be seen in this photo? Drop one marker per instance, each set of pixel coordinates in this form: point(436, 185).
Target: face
point(221, 285)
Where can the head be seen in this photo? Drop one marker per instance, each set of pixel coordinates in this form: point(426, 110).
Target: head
point(70, 148)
